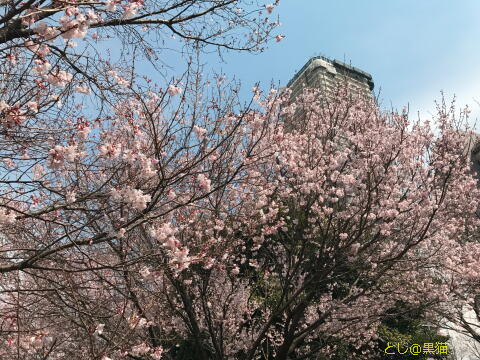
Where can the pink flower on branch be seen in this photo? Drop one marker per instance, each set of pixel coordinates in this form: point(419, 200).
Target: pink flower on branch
point(99, 329)
point(200, 132)
point(59, 154)
point(140, 349)
point(45, 31)
point(111, 5)
point(59, 78)
point(133, 197)
point(130, 9)
point(110, 150)
point(180, 259)
point(32, 106)
point(12, 115)
point(174, 90)
point(83, 89)
point(204, 182)
point(6, 217)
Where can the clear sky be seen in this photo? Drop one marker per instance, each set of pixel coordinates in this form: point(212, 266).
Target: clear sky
point(413, 48)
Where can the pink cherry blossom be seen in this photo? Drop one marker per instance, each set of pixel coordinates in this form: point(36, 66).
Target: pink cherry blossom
point(140, 349)
point(111, 5)
point(200, 132)
point(174, 90)
point(71, 196)
point(133, 197)
point(83, 89)
point(59, 154)
point(204, 182)
point(99, 329)
point(180, 258)
point(56, 157)
point(157, 353)
point(60, 78)
point(32, 106)
point(41, 67)
point(6, 217)
point(13, 115)
point(120, 233)
point(30, 17)
point(145, 272)
point(45, 31)
point(110, 150)
point(130, 9)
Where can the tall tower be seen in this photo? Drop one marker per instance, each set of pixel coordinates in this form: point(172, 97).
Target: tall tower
point(326, 74)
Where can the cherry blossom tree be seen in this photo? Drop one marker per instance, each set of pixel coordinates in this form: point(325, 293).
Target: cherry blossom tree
point(144, 219)
point(226, 24)
point(178, 228)
point(370, 210)
point(57, 53)
point(78, 192)
point(461, 318)
point(93, 151)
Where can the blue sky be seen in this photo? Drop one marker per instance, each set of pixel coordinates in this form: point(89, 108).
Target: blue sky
point(413, 48)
